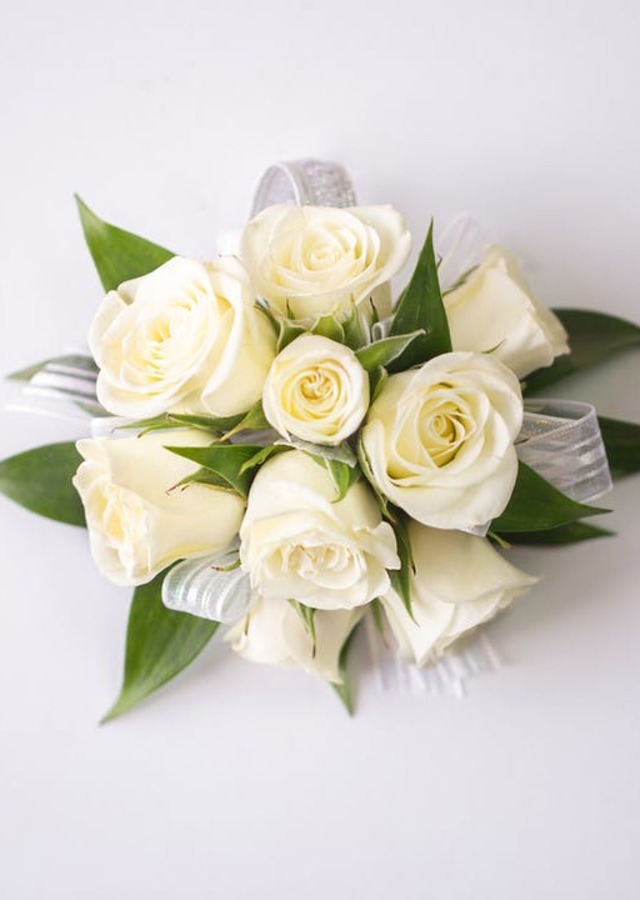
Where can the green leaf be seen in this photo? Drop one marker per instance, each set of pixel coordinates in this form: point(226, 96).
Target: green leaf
point(166, 421)
point(262, 455)
point(365, 465)
point(118, 255)
point(536, 505)
point(160, 644)
point(254, 420)
point(226, 460)
point(593, 338)
point(377, 380)
point(40, 480)
point(421, 307)
point(401, 578)
point(339, 453)
point(571, 533)
point(308, 616)
point(329, 327)
point(383, 352)
point(71, 360)
point(344, 690)
point(203, 476)
point(343, 475)
point(622, 443)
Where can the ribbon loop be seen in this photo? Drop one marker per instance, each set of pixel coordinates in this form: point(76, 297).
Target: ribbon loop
point(561, 440)
point(304, 182)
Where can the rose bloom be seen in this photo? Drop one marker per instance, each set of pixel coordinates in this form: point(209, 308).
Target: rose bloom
point(493, 311)
point(314, 260)
point(185, 338)
point(137, 526)
point(274, 633)
point(439, 440)
point(316, 390)
point(297, 543)
point(460, 582)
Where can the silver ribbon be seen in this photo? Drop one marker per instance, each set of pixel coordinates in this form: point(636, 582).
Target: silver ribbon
point(561, 440)
point(212, 587)
point(304, 182)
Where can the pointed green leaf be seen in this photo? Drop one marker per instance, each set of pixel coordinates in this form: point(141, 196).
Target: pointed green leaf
point(204, 476)
point(253, 420)
point(593, 338)
point(118, 255)
point(344, 690)
point(383, 352)
point(340, 453)
point(166, 421)
point(160, 644)
point(421, 307)
point(40, 480)
point(262, 455)
point(536, 505)
point(401, 578)
point(385, 507)
point(622, 443)
point(343, 475)
point(226, 460)
point(571, 533)
point(308, 616)
point(70, 360)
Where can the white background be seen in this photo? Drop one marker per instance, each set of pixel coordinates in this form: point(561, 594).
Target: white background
point(238, 781)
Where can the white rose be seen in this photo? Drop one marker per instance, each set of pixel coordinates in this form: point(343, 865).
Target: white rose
point(186, 337)
point(438, 440)
point(493, 312)
point(274, 633)
point(313, 260)
point(137, 527)
point(298, 544)
point(316, 390)
point(460, 582)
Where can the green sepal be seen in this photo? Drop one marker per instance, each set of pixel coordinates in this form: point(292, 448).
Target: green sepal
point(571, 533)
point(622, 443)
point(536, 505)
point(288, 332)
point(308, 616)
point(329, 327)
point(118, 255)
point(593, 338)
point(383, 352)
point(160, 644)
point(355, 334)
point(40, 480)
point(421, 307)
point(344, 690)
point(226, 460)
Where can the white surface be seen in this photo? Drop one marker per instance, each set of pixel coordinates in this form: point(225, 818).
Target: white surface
point(244, 782)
